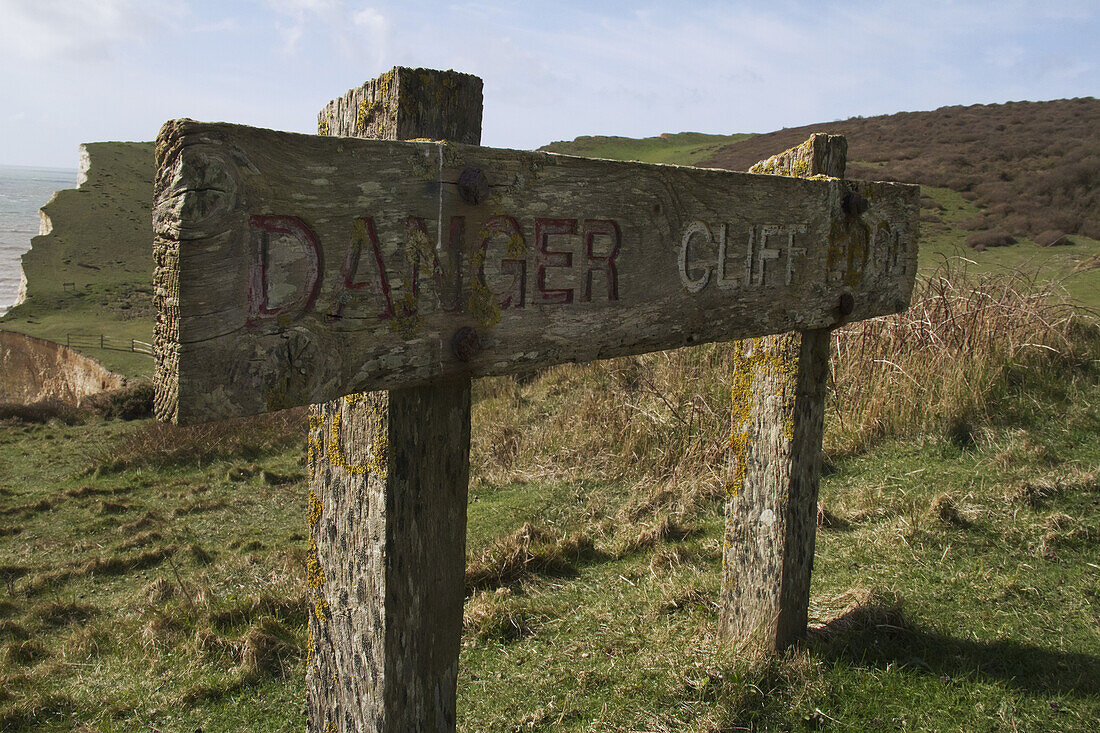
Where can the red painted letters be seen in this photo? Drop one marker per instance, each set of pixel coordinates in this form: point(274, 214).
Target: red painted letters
point(380, 285)
point(498, 263)
point(546, 257)
point(601, 263)
point(270, 295)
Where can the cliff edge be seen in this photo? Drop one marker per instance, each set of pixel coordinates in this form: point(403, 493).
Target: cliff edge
point(89, 271)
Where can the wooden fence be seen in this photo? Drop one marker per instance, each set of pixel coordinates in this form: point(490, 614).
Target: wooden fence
point(103, 341)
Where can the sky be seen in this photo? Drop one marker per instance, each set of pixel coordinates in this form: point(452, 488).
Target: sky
point(88, 70)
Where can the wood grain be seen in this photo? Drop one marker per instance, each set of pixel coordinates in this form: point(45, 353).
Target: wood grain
point(775, 459)
point(293, 269)
point(387, 509)
point(387, 513)
point(405, 104)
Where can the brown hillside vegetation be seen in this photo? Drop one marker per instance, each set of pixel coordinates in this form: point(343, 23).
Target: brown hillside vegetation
point(1032, 167)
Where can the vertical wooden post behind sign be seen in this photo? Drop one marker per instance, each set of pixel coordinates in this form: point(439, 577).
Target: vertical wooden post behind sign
point(388, 488)
point(775, 458)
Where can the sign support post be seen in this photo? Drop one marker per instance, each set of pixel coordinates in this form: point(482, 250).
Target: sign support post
point(775, 458)
point(388, 484)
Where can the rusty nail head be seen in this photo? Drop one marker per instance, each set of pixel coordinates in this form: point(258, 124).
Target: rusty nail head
point(473, 186)
point(854, 204)
point(466, 343)
point(847, 304)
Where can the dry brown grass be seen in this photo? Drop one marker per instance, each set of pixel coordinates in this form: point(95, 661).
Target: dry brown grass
point(497, 616)
point(944, 510)
point(266, 649)
point(660, 422)
point(531, 550)
point(938, 366)
point(159, 444)
point(858, 609)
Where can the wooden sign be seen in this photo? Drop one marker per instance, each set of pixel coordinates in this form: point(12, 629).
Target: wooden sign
point(292, 269)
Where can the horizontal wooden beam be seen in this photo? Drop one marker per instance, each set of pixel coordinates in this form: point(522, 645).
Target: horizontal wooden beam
point(292, 269)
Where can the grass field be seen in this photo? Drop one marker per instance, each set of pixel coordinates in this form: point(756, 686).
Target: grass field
point(679, 148)
point(152, 578)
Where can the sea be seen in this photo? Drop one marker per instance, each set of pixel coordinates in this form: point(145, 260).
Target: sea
point(23, 190)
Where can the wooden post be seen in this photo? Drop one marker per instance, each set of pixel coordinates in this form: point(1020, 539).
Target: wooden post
point(775, 457)
point(388, 487)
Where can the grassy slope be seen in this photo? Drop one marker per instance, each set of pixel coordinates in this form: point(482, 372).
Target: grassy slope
point(681, 148)
point(959, 582)
point(1076, 267)
point(91, 273)
point(171, 596)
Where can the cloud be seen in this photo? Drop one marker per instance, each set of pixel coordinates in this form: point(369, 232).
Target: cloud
point(325, 24)
point(371, 20)
point(46, 30)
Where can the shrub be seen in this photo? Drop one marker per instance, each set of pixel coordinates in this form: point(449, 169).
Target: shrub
point(1052, 238)
point(127, 403)
point(42, 412)
point(994, 238)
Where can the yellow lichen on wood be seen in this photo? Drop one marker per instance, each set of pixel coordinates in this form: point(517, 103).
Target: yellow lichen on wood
point(376, 464)
point(483, 306)
point(770, 356)
point(315, 439)
point(315, 579)
point(314, 508)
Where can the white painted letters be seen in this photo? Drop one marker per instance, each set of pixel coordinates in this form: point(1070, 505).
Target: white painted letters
point(757, 265)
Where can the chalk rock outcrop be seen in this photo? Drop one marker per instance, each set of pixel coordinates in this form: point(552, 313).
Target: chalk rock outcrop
point(32, 370)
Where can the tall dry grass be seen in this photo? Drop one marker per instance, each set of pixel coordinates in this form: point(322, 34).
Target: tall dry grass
point(944, 364)
point(162, 444)
point(661, 421)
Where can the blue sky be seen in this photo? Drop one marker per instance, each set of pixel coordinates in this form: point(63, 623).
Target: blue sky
point(85, 70)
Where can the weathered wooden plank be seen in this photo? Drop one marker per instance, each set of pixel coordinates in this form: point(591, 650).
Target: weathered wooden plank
point(347, 264)
point(775, 459)
point(387, 512)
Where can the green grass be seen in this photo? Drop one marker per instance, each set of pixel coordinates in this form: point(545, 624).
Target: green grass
point(957, 587)
point(681, 148)
point(1076, 267)
point(153, 579)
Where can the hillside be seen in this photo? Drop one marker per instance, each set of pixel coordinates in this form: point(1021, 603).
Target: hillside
point(1033, 166)
point(1020, 173)
point(679, 148)
point(89, 272)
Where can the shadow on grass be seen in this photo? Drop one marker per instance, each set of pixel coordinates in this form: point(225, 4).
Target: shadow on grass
point(1026, 667)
